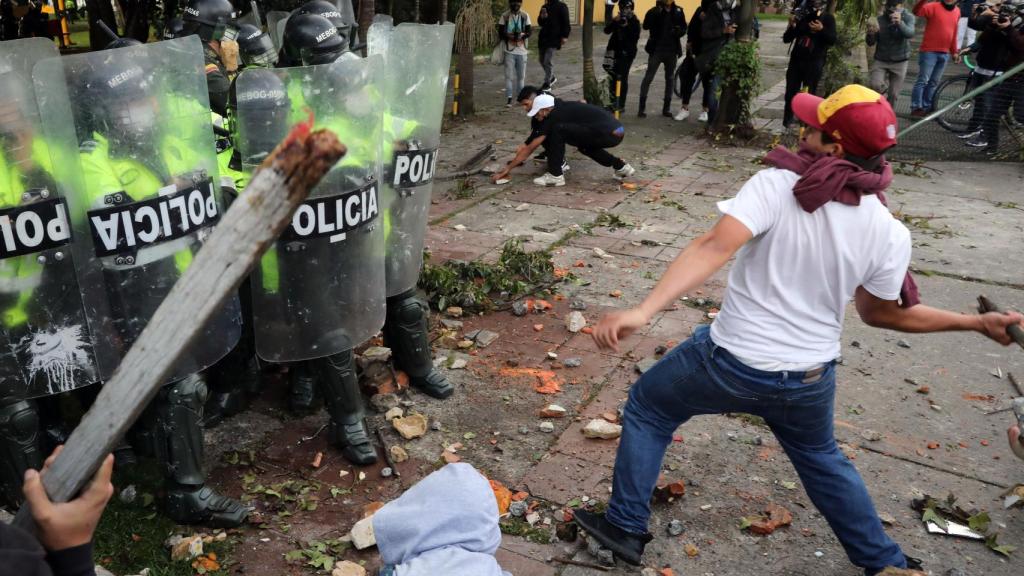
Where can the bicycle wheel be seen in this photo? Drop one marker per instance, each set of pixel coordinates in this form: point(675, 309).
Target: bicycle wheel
point(957, 118)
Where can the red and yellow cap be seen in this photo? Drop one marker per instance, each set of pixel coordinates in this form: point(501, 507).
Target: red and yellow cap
point(855, 116)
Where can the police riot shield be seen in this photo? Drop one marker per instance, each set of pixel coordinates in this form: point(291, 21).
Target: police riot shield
point(417, 58)
point(320, 289)
point(142, 189)
point(44, 343)
point(275, 26)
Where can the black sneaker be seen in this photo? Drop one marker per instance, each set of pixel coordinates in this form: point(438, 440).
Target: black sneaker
point(508, 104)
point(626, 546)
point(978, 141)
point(641, 114)
point(970, 134)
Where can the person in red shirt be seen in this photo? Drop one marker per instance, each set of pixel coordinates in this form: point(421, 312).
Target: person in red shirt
point(938, 44)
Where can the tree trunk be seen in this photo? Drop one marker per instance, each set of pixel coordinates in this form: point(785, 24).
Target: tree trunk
point(465, 68)
point(591, 88)
point(366, 13)
point(442, 11)
point(99, 10)
point(730, 105)
point(416, 11)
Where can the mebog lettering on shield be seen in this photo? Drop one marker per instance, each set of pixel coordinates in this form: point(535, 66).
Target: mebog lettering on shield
point(414, 168)
point(334, 216)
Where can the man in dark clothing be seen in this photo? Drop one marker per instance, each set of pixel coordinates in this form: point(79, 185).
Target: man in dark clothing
point(624, 35)
point(554, 31)
point(587, 127)
point(667, 25)
point(65, 530)
point(689, 72)
point(1001, 47)
point(812, 32)
point(718, 25)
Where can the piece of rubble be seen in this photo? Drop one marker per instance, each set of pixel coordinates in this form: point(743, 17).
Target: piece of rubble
point(871, 435)
point(394, 413)
point(485, 338)
point(566, 531)
point(532, 518)
point(383, 402)
point(452, 324)
point(572, 362)
point(459, 227)
point(522, 207)
point(374, 355)
point(454, 311)
point(465, 344)
point(546, 427)
point(604, 556)
point(412, 426)
point(348, 568)
point(575, 321)
point(519, 308)
point(398, 454)
point(602, 254)
point(458, 364)
point(602, 429)
point(675, 528)
point(644, 365)
point(362, 534)
point(552, 411)
point(518, 508)
point(577, 304)
point(187, 548)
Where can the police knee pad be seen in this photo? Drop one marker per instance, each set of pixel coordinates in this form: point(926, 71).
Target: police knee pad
point(19, 420)
point(406, 308)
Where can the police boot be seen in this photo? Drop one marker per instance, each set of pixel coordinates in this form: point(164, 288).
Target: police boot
point(347, 429)
point(407, 334)
point(21, 447)
point(301, 387)
point(179, 442)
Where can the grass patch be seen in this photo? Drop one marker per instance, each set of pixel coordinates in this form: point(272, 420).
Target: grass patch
point(749, 419)
point(130, 536)
point(517, 527)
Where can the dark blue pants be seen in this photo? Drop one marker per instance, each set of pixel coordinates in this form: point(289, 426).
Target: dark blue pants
point(698, 377)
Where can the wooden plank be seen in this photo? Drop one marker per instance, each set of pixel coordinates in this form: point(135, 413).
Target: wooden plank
point(236, 244)
point(1015, 332)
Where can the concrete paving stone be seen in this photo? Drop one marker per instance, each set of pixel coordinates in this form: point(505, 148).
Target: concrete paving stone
point(561, 477)
point(515, 563)
point(481, 218)
point(447, 244)
point(678, 324)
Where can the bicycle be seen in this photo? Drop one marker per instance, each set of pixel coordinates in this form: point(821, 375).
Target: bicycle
point(957, 118)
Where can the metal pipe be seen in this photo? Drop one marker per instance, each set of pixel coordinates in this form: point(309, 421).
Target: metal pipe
point(990, 84)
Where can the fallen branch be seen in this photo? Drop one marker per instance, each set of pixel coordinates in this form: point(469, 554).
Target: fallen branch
point(242, 236)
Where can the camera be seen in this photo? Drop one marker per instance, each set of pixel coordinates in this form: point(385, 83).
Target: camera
point(807, 9)
point(891, 6)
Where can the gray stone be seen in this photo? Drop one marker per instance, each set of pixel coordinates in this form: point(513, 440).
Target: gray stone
point(577, 304)
point(458, 364)
point(871, 435)
point(519, 308)
point(572, 362)
point(362, 534)
point(675, 528)
point(955, 572)
point(855, 344)
point(452, 324)
point(547, 228)
point(524, 430)
point(435, 425)
point(604, 556)
point(903, 344)
point(600, 428)
point(386, 472)
point(575, 321)
point(518, 509)
point(485, 338)
point(471, 335)
point(128, 494)
point(546, 427)
point(374, 355)
point(644, 365)
point(522, 207)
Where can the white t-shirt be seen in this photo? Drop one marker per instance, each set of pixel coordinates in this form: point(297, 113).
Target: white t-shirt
point(790, 284)
point(515, 24)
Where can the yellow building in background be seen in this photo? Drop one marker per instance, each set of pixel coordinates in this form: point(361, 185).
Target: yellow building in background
point(532, 7)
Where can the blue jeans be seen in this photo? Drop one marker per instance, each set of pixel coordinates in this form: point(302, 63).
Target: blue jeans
point(930, 65)
point(699, 377)
point(515, 74)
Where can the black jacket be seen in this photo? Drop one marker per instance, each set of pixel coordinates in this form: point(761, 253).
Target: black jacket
point(807, 45)
point(554, 26)
point(655, 22)
point(624, 36)
point(999, 49)
point(21, 554)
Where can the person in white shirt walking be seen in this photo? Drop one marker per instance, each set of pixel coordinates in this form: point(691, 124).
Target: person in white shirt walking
point(514, 27)
point(809, 235)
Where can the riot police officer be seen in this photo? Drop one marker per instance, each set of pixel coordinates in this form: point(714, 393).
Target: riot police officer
point(133, 169)
point(174, 28)
point(213, 21)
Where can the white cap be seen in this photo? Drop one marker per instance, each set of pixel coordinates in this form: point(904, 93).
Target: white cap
point(540, 102)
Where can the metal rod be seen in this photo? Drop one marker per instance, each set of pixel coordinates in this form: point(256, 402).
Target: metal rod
point(990, 84)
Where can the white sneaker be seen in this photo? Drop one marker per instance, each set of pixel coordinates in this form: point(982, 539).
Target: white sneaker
point(565, 166)
point(625, 172)
point(703, 116)
point(549, 180)
point(682, 115)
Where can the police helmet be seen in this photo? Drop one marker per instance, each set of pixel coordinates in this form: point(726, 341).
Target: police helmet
point(261, 99)
point(16, 103)
point(255, 47)
point(210, 19)
point(122, 89)
point(174, 28)
point(312, 39)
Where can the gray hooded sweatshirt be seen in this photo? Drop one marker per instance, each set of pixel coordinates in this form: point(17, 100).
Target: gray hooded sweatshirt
point(447, 524)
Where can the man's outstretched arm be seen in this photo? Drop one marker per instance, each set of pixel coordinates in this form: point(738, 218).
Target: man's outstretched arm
point(696, 263)
point(880, 313)
point(523, 153)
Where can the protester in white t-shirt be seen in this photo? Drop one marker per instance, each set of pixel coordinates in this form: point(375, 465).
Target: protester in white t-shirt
point(514, 27)
point(809, 235)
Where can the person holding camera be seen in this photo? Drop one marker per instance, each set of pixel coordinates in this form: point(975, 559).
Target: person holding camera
point(934, 53)
point(1000, 47)
point(554, 31)
point(667, 26)
point(891, 36)
point(623, 36)
point(717, 28)
point(965, 35)
point(811, 32)
point(514, 28)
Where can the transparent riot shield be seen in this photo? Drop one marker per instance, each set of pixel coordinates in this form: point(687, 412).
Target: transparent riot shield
point(44, 343)
point(417, 59)
point(141, 188)
point(275, 26)
point(252, 16)
point(320, 289)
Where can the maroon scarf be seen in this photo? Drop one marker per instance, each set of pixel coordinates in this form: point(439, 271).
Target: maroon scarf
point(828, 179)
